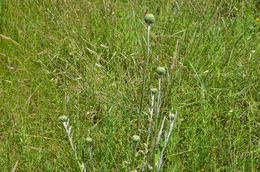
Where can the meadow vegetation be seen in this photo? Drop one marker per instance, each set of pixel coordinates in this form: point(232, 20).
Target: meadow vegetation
point(85, 59)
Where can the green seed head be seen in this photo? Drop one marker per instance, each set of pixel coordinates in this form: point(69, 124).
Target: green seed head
point(154, 90)
point(160, 70)
point(136, 138)
point(89, 140)
point(63, 118)
point(149, 19)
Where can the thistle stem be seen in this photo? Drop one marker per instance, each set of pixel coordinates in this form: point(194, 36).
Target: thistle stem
point(148, 41)
point(68, 131)
point(158, 103)
point(150, 121)
point(144, 76)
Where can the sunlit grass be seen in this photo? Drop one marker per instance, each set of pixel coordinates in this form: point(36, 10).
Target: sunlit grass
point(85, 60)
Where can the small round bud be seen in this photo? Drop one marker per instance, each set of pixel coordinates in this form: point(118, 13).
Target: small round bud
point(149, 19)
point(172, 116)
point(154, 90)
point(89, 140)
point(160, 70)
point(136, 138)
point(63, 118)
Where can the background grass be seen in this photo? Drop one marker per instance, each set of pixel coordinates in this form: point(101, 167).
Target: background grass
point(85, 59)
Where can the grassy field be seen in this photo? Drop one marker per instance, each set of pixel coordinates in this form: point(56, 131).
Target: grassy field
point(85, 59)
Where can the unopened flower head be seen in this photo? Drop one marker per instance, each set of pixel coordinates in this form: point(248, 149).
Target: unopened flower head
point(135, 138)
point(172, 116)
point(149, 19)
point(160, 70)
point(154, 90)
point(63, 118)
point(89, 140)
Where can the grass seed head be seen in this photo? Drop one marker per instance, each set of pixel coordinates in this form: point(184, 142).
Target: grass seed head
point(149, 19)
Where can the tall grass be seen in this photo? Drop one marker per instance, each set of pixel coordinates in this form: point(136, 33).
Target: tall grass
point(84, 59)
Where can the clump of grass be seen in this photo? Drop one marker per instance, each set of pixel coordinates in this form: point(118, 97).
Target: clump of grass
point(90, 52)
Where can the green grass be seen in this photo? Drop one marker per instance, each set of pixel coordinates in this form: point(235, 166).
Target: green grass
point(85, 59)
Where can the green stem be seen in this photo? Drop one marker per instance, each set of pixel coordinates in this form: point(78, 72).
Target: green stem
point(133, 156)
point(144, 79)
point(158, 102)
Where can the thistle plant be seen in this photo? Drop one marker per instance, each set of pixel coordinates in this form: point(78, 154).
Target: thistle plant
point(149, 20)
point(172, 118)
point(156, 123)
point(89, 142)
point(156, 119)
point(154, 91)
point(65, 121)
point(160, 71)
point(135, 139)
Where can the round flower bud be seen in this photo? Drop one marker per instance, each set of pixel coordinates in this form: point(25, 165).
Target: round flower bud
point(160, 70)
point(136, 138)
point(63, 118)
point(172, 116)
point(89, 140)
point(149, 18)
point(154, 90)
